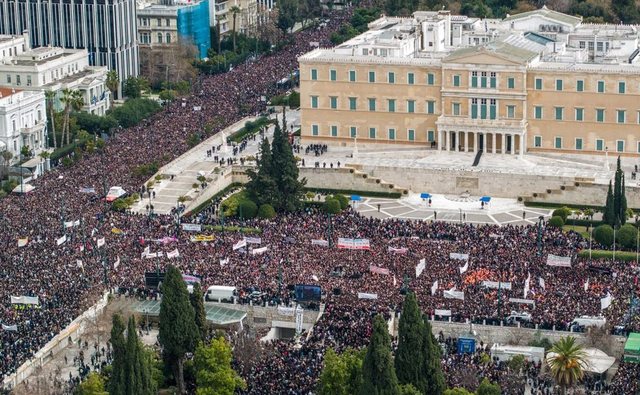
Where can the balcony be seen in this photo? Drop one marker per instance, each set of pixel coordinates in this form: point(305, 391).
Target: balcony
point(515, 126)
point(33, 129)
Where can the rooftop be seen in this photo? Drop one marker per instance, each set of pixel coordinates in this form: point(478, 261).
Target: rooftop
point(545, 12)
point(6, 92)
point(216, 313)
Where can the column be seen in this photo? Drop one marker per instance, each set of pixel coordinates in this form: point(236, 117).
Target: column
point(504, 144)
point(475, 142)
point(513, 144)
point(466, 141)
point(493, 142)
point(439, 142)
point(459, 142)
point(446, 140)
point(522, 141)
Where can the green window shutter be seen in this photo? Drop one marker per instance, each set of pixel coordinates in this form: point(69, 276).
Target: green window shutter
point(492, 112)
point(314, 101)
point(431, 107)
point(456, 80)
point(578, 144)
point(622, 87)
point(538, 84)
point(600, 115)
point(599, 145)
point(580, 86)
point(493, 82)
point(511, 83)
point(474, 81)
point(333, 75)
point(600, 86)
point(372, 104)
point(354, 132)
point(431, 136)
point(352, 75)
point(621, 116)
point(538, 112)
point(352, 104)
point(537, 141)
point(372, 133)
point(474, 111)
point(483, 111)
point(558, 85)
point(334, 131)
point(559, 113)
point(620, 145)
point(392, 134)
point(431, 79)
point(314, 130)
point(392, 77)
point(411, 106)
point(372, 76)
point(314, 74)
point(392, 105)
point(411, 135)
point(411, 78)
point(334, 102)
point(579, 114)
point(558, 142)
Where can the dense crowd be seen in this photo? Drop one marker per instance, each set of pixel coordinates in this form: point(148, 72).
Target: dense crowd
point(69, 276)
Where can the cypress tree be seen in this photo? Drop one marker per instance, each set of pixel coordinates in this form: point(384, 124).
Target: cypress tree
point(197, 302)
point(178, 332)
point(617, 195)
point(378, 375)
point(262, 187)
point(409, 357)
point(608, 215)
point(133, 369)
point(117, 383)
point(623, 202)
point(432, 367)
point(285, 173)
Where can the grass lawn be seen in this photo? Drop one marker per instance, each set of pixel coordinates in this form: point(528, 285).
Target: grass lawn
point(579, 229)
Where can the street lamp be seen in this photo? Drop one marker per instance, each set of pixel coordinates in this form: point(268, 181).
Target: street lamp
point(540, 222)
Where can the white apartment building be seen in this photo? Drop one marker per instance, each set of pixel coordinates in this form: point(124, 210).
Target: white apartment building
point(23, 122)
point(246, 19)
point(53, 69)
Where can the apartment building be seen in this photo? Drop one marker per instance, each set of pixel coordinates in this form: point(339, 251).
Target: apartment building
point(23, 122)
point(221, 11)
point(106, 29)
point(53, 69)
point(536, 81)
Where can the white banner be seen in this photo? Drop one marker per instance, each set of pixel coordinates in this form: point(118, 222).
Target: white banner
point(443, 313)
point(401, 250)
point(25, 300)
point(100, 242)
point(561, 261)
point(68, 224)
point(241, 244)
point(61, 240)
point(496, 284)
point(453, 294)
point(79, 263)
point(192, 227)
point(527, 285)
point(10, 328)
point(173, 254)
point(258, 251)
point(224, 262)
point(363, 295)
point(318, 242)
point(523, 301)
point(462, 257)
point(354, 244)
point(464, 268)
point(542, 283)
point(23, 242)
point(288, 311)
point(253, 240)
point(116, 263)
point(378, 270)
point(299, 318)
point(420, 267)
point(606, 301)
point(151, 255)
point(434, 287)
point(586, 285)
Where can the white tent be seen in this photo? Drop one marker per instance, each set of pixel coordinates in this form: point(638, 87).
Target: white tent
point(23, 188)
point(506, 352)
point(596, 361)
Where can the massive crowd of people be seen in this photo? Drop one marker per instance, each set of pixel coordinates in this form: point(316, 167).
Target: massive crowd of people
point(66, 265)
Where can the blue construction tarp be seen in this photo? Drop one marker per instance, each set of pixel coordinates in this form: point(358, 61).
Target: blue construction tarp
point(193, 26)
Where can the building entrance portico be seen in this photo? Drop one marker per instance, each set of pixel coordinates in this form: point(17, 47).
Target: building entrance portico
point(490, 136)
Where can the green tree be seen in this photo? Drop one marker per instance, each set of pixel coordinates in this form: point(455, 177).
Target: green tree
point(235, 10)
point(332, 206)
point(72, 100)
point(214, 374)
point(178, 332)
point(197, 302)
point(137, 370)
point(627, 236)
point(51, 97)
point(285, 172)
point(556, 221)
point(247, 209)
point(333, 378)
point(566, 362)
point(133, 87)
point(379, 377)
point(609, 214)
point(113, 82)
point(262, 187)
point(167, 95)
point(432, 367)
point(409, 357)
point(603, 234)
point(92, 385)
point(488, 388)
point(117, 383)
point(266, 211)
point(457, 391)
point(287, 11)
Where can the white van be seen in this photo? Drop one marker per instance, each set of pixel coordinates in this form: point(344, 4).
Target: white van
point(221, 293)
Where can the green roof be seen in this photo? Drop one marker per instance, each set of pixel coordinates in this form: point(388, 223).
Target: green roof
point(216, 313)
point(545, 12)
point(538, 38)
point(632, 348)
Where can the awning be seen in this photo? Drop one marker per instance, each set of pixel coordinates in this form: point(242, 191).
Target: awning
point(596, 361)
point(424, 195)
point(23, 188)
point(485, 199)
point(33, 162)
point(215, 312)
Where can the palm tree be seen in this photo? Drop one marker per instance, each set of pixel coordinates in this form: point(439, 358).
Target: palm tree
point(113, 82)
point(72, 100)
point(50, 95)
point(234, 12)
point(567, 361)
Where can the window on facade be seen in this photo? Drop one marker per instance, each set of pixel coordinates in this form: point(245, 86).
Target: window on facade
point(353, 131)
point(372, 76)
point(511, 111)
point(167, 22)
point(391, 105)
point(474, 79)
point(372, 133)
point(314, 101)
point(314, 130)
point(28, 80)
point(580, 85)
point(333, 75)
point(8, 78)
point(538, 84)
point(456, 80)
point(599, 115)
point(474, 108)
point(352, 76)
point(372, 104)
point(431, 107)
point(578, 143)
point(622, 87)
point(333, 100)
point(559, 113)
point(411, 135)
point(599, 46)
point(511, 83)
point(599, 145)
point(431, 135)
point(492, 109)
point(168, 37)
point(537, 141)
point(483, 108)
point(352, 103)
point(431, 79)
point(334, 131)
point(558, 142)
point(558, 85)
point(600, 86)
point(493, 80)
point(314, 74)
point(411, 106)
point(455, 109)
point(483, 79)
point(537, 110)
point(579, 114)
point(621, 116)
point(392, 134)
point(620, 145)
point(159, 38)
point(391, 77)
point(411, 78)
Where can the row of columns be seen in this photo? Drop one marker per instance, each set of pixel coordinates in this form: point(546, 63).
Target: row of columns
point(446, 140)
